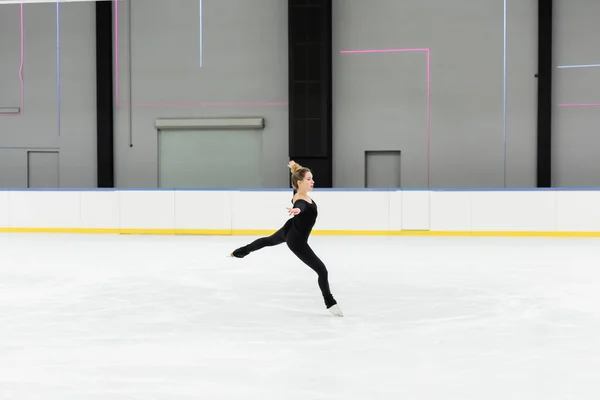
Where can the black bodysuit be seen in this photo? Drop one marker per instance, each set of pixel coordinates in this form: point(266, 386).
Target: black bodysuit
point(295, 233)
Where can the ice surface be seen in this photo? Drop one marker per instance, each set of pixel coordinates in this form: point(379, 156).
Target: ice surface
point(151, 317)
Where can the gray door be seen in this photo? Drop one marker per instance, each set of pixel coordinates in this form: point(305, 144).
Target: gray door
point(382, 169)
point(209, 159)
point(42, 169)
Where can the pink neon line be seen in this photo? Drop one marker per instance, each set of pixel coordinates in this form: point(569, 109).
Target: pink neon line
point(580, 105)
point(152, 105)
point(428, 51)
point(20, 72)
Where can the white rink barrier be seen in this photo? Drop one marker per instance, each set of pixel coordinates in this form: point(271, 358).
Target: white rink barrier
point(505, 212)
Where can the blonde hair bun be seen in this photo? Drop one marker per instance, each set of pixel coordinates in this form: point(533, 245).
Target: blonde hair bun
point(296, 167)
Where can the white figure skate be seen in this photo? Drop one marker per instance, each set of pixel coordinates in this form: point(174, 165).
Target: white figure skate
point(335, 310)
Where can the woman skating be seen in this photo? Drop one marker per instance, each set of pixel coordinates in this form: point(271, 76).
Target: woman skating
point(295, 233)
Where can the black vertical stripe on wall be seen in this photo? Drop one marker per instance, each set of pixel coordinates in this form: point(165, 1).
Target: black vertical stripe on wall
point(544, 122)
point(104, 94)
point(310, 86)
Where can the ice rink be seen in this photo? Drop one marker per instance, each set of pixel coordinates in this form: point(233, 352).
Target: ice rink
point(164, 317)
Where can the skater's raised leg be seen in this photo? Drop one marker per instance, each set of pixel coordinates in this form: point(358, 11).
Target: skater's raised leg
point(273, 240)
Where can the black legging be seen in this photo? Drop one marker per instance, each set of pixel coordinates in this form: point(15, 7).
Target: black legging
point(299, 246)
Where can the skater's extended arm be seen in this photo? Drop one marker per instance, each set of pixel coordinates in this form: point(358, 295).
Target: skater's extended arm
point(299, 206)
point(293, 211)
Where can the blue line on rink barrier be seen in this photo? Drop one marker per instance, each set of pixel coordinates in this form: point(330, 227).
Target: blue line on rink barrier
point(556, 189)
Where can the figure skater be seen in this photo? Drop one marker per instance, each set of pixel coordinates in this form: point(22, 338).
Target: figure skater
point(295, 233)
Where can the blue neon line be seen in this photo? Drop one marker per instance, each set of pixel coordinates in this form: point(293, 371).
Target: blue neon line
point(200, 43)
point(58, 62)
point(505, 93)
point(578, 66)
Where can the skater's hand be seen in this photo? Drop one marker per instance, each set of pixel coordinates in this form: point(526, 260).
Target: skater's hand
point(293, 211)
point(291, 164)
